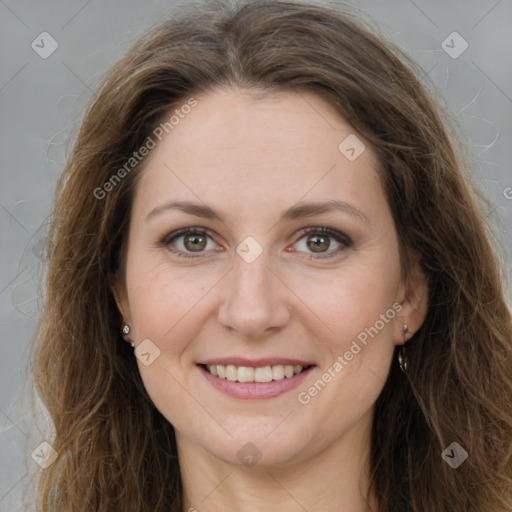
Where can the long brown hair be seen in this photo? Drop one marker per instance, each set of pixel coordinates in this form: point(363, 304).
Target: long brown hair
point(115, 450)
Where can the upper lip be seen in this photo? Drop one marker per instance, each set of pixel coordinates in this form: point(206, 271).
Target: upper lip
point(256, 363)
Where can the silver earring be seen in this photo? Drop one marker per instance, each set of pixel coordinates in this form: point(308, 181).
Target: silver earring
point(126, 330)
point(402, 359)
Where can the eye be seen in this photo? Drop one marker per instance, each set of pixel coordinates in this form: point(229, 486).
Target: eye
point(187, 241)
point(319, 242)
point(322, 241)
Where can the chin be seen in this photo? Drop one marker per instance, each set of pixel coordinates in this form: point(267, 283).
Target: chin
point(264, 442)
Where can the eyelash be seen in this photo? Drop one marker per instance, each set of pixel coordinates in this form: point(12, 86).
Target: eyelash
point(344, 240)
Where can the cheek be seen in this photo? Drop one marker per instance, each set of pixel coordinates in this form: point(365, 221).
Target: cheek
point(350, 300)
point(358, 305)
point(361, 310)
point(163, 299)
point(165, 304)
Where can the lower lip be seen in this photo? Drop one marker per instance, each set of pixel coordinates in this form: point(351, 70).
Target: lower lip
point(255, 389)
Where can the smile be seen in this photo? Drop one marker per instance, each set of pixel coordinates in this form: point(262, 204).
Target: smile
point(255, 379)
point(259, 374)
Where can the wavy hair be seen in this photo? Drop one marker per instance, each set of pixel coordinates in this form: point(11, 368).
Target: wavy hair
point(115, 450)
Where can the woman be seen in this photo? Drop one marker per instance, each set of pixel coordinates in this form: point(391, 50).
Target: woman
point(271, 286)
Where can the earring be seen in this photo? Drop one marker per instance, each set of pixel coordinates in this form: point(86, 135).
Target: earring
point(126, 330)
point(402, 359)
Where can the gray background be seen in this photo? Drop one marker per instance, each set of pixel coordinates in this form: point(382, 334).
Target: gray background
point(41, 102)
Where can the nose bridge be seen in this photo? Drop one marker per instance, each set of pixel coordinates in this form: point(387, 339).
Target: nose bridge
point(254, 299)
point(252, 280)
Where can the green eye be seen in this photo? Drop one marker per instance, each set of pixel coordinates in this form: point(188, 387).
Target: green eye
point(318, 243)
point(188, 240)
point(195, 243)
point(314, 241)
point(319, 240)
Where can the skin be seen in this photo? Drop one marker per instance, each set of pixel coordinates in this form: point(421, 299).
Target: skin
point(250, 158)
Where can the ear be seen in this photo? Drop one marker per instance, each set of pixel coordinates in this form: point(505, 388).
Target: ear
point(118, 288)
point(414, 301)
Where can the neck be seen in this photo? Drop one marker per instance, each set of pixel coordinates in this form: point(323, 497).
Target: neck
point(337, 478)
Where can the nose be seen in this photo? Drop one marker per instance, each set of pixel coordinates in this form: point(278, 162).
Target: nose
point(255, 302)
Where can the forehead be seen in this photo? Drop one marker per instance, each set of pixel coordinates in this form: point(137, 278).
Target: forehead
point(238, 149)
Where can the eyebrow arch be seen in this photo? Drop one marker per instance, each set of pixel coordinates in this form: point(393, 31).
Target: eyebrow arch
point(197, 209)
point(310, 209)
point(295, 212)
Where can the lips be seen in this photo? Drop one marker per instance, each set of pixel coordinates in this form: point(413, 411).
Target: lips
point(261, 378)
point(258, 390)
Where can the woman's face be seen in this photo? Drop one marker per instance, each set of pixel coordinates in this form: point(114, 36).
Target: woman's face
point(291, 261)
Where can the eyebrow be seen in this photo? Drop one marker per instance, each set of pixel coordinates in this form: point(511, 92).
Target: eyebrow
point(310, 209)
point(197, 209)
point(295, 212)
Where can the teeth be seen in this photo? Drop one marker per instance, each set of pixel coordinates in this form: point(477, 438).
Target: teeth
point(231, 372)
point(244, 374)
point(289, 371)
point(278, 372)
point(247, 374)
point(263, 374)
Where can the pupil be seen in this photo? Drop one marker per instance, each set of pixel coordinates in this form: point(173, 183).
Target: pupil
point(318, 243)
point(195, 242)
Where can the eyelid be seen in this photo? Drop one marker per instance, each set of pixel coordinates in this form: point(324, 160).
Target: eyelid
point(344, 241)
point(338, 236)
point(184, 231)
point(167, 239)
point(334, 233)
